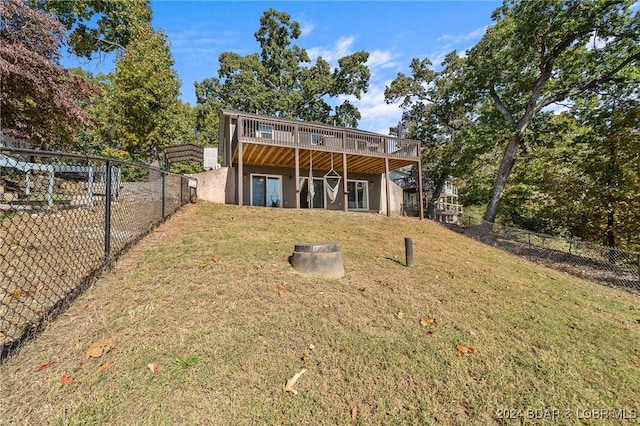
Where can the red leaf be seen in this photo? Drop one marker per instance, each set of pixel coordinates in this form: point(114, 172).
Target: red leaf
point(65, 380)
point(354, 412)
point(44, 366)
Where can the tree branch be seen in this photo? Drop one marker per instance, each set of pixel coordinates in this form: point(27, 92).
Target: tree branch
point(112, 43)
point(500, 106)
point(609, 76)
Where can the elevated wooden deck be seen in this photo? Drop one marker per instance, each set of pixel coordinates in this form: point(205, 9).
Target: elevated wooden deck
point(272, 142)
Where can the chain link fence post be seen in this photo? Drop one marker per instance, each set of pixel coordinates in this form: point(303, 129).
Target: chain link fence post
point(107, 215)
point(162, 178)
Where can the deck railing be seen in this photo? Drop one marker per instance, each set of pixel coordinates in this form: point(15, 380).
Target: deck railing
point(324, 138)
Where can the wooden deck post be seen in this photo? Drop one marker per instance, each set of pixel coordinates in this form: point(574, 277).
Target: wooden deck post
point(297, 175)
point(240, 174)
point(387, 189)
point(420, 203)
point(345, 194)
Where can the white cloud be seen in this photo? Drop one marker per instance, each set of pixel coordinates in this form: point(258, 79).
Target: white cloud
point(453, 42)
point(381, 59)
point(306, 28)
point(472, 35)
point(377, 115)
point(341, 48)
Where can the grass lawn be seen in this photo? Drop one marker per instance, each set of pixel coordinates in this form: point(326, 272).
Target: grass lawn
point(469, 335)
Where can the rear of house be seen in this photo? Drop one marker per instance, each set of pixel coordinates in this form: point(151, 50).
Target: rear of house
point(275, 162)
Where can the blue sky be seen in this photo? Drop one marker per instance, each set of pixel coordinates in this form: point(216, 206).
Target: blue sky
point(393, 32)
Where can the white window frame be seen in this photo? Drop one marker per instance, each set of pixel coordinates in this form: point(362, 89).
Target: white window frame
point(366, 187)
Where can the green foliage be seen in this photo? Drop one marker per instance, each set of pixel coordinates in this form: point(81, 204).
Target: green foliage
point(540, 53)
point(144, 99)
point(97, 25)
point(186, 167)
point(281, 81)
point(184, 363)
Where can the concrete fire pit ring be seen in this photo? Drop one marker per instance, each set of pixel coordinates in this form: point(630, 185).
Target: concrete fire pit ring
point(318, 260)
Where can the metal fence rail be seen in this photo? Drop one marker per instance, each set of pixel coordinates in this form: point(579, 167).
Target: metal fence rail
point(64, 218)
point(611, 265)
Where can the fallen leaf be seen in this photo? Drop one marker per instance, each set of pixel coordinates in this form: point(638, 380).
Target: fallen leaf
point(88, 307)
point(465, 350)
point(325, 305)
point(106, 366)
point(215, 259)
point(154, 368)
point(288, 387)
point(18, 293)
point(425, 321)
point(66, 380)
point(166, 298)
point(354, 412)
point(312, 346)
point(429, 332)
point(400, 314)
point(44, 366)
point(99, 348)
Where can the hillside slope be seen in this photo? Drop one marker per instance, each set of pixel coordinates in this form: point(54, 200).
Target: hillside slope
point(470, 334)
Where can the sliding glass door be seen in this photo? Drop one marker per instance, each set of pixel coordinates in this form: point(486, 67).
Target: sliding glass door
point(318, 193)
point(358, 194)
point(266, 191)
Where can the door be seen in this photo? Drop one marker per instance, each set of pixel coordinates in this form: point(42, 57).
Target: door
point(266, 191)
point(318, 193)
point(358, 194)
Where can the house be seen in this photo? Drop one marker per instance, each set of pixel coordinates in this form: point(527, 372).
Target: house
point(406, 179)
point(447, 207)
point(283, 163)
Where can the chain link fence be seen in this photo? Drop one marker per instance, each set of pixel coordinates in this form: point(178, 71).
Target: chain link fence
point(64, 219)
point(609, 265)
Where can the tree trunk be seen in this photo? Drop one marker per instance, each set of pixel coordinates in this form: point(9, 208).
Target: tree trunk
point(431, 206)
point(508, 159)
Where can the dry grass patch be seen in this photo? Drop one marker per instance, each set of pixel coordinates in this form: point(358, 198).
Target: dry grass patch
point(210, 298)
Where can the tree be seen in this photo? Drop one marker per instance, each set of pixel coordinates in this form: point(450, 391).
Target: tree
point(541, 53)
point(144, 100)
point(206, 112)
point(97, 25)
point(40, 100)
point(280, 80)
point(437, 109)
point(608, 158)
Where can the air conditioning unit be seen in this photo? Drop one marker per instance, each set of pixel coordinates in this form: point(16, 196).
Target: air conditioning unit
point(263, 135)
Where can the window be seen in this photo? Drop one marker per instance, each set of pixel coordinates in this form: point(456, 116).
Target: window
point(265, 131)
point(266, 191)
point(413, 200)
point(358, 194)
